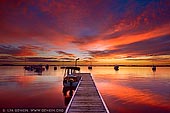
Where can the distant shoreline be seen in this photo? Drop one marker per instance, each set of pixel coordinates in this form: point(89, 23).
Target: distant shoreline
point(92, 65)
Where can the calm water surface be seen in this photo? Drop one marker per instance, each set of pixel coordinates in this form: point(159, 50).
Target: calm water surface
point(129, 90)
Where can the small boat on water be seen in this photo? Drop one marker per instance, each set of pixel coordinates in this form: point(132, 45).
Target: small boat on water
point(55, 67)
point(62, 67)
point(153, 68)
point(90, 67)
point(70, 77)
point(39, 69)
point(36, 68)
point(29, 68)
point(116, 67)
point(47, 67)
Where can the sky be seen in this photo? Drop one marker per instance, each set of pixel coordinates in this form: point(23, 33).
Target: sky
point(98, 31)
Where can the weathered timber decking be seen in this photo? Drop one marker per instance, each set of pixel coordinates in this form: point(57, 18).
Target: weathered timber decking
point(87, 98)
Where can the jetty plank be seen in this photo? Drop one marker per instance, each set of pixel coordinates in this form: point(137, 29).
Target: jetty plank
point(87, 98)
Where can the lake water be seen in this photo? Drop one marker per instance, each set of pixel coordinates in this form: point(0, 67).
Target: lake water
point(129, 90)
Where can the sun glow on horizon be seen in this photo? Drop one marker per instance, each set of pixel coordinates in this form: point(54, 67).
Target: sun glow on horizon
point(61, 31)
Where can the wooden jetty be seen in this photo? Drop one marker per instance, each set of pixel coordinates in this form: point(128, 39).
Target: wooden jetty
point(87, 98)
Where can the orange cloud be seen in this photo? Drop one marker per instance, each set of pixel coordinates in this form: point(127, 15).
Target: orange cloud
point(81, 26)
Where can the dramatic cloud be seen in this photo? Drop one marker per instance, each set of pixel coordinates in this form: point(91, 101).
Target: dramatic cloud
point(68, 29)
point(150, 47)
point(65, 53)
point(20, 50)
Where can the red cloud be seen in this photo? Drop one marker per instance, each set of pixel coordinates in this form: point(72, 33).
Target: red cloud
point(19, 51)
point(79, 25)
point(25, 52)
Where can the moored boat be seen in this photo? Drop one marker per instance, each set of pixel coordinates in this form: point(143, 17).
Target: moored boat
point(70, 77)
point(90, 67)
point(47, 67)
point(153, 68)
point(116, 67)
point(55, 67)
